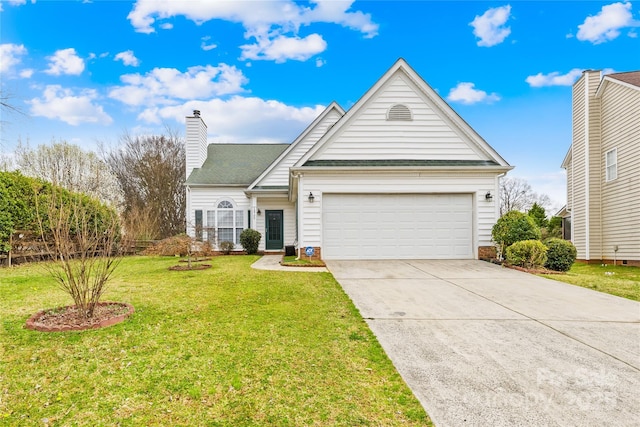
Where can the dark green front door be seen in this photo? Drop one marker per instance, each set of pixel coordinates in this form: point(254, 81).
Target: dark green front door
point(274, 230)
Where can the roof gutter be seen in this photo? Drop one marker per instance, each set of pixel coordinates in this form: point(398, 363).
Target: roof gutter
point(356, 169)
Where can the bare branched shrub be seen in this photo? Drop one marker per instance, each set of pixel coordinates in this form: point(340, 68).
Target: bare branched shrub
point(171, 246)
point(140, 223)
point(83, 239)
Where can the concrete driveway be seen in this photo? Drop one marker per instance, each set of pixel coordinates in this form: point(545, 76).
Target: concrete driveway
point(481, 345)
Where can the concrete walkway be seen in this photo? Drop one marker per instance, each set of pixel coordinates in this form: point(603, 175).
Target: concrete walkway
point(272, 262)
point(481, 345)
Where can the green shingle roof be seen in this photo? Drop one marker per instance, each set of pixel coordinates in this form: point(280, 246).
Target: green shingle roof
point(409, 162)
point(235, 164)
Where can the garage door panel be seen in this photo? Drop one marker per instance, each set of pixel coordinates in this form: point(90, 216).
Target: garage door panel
point(367, 226)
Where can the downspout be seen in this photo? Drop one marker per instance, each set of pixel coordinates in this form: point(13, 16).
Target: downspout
point(187, 215)
point(254, 211)
point(300, 203)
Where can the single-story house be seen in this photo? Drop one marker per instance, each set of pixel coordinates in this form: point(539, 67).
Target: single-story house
point(603, 168)
point(399, 175)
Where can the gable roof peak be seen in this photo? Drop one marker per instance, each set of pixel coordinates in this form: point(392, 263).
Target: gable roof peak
point(427, 91)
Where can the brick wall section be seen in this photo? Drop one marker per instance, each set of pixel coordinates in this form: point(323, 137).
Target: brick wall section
point(317, 254)
point(630, 263)
point(487, 252)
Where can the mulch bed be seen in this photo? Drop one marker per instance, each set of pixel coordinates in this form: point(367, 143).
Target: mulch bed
point(62, 319)
point(187, 268)
point(288, 264)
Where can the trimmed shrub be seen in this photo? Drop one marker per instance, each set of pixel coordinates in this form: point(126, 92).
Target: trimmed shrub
point(561, 254)
point(527, 253)
point(250, 239)
point(226, 247)
point(514, 227)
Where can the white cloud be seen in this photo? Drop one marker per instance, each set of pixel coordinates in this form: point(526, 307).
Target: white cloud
point(166, 26)
point(165, 85)
point(204, 45)
point(554, 78)
point(467, 94)
point(65, 61)
point(128, 58)
point(606, 25)
point(490, 27)
point(26, 73)
point(337, 12)
point(281, 48)
point(273, 24)
point(241, 119)
point(63, 104)
point(10, 56)
point(320, 62)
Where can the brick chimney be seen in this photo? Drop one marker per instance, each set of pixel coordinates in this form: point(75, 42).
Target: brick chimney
point(196, 144)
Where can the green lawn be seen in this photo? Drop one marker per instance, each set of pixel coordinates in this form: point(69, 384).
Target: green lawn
point(228, 346)
point(303, 262)
point(622, 281)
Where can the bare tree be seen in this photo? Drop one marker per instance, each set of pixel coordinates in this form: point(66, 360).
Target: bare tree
point(150, 170)
point(83, 241)
point(70, 167)
point(516, 194)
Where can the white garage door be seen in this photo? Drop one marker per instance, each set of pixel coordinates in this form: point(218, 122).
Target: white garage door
point(388, 226)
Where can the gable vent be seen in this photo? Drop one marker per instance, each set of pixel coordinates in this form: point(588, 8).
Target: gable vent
point(399, 112)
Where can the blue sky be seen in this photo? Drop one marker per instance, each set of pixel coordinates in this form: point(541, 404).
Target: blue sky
point(260, 71)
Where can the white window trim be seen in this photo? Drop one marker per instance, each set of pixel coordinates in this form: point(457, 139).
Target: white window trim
point(611, 176)
point(235, 226)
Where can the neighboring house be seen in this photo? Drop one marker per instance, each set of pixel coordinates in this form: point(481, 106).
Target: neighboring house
point(603, 168)
point(400, 175)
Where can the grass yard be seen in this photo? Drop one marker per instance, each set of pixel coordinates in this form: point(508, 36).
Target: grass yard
point(228, 346)
point(622, 281)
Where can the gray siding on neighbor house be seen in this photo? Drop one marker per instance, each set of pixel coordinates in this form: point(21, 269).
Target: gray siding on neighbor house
point(595, 160)
point(570, 185)
point(621, 197)
point(578, 169)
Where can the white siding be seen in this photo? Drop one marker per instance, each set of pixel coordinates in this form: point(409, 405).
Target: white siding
point(477, 184)
point(206, 199)
point(279, 175)
point(288, 215)
point(621, 197)
point(369, 135)
point(196, 144)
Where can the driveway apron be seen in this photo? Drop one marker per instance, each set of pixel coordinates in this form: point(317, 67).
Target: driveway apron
point(481, 345)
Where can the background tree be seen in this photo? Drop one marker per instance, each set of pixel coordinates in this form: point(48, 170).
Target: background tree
point(151, 172)
point(70, 167)
point(539, 215)
point(516, 194)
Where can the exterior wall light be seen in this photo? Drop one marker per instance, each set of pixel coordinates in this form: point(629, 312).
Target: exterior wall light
point(259, 212)
point(311, 197)
point(488, 196)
